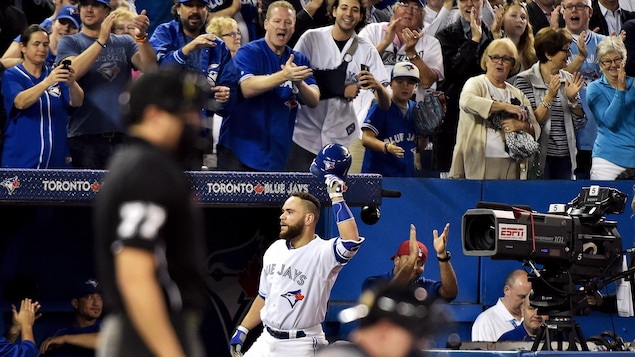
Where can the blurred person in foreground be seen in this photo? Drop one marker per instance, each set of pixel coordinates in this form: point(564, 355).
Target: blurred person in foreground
point(395, 321)
point(149, 233)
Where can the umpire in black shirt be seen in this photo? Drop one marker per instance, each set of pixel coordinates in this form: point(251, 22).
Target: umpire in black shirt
point(150, 246)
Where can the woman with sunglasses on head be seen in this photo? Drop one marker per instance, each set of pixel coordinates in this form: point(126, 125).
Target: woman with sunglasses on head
point(481, 151)
point(555, 101)
point(612, 100)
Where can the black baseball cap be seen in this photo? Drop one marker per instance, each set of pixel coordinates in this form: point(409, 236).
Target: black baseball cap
point(172, 90)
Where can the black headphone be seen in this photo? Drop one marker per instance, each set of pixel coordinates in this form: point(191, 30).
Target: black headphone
point(608, 341)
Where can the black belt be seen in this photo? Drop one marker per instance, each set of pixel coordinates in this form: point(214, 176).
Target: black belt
point(283, 335)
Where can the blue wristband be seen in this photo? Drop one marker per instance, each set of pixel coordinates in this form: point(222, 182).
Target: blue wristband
point(342, 212)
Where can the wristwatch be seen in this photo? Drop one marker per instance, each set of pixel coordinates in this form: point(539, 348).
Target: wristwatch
point(413, 58)
point(448, 255)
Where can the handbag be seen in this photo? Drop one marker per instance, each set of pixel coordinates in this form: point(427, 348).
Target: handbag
point(518, 144)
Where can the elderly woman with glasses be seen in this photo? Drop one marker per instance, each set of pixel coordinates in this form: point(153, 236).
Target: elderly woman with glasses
point(555, 101)
point(490, 110)
point(612, 100)
point(226, 29)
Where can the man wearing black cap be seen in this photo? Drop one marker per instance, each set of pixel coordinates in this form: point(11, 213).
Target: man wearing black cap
point(149, 239)
point(394, 321)
point(102, 63)
point(185, 43)
point(80, 339)
point(409, 263)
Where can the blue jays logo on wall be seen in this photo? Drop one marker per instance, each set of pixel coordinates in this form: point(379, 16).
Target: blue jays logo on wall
point(109, 70)
point(232, 281)
point(293, 297)
point(11, 184)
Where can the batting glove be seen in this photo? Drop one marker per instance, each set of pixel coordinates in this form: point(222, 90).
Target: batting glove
point(236, 343)
point(334, 185)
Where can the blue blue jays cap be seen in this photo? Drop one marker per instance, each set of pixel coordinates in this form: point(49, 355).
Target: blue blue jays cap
point(87, 287)
point(70, 12)
point(105, 2)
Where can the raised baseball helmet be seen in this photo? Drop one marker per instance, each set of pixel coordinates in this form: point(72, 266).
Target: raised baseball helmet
point(333, 159)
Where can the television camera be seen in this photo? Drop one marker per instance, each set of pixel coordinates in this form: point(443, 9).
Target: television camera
point(572, 245)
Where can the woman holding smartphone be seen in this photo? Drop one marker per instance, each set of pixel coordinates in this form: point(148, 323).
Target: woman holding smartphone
point(36, 100)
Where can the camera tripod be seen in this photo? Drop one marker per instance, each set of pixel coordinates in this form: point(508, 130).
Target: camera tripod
point(558, 327)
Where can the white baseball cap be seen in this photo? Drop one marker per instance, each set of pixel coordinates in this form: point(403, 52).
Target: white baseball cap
point(405, 69)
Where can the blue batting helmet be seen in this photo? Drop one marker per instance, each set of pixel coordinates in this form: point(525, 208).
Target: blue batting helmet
point(333, 159)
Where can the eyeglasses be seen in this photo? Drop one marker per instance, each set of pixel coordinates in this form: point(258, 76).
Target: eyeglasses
point(506, 59)
point(617, 61)
point(232, 34)
point(124, 28)
point(411, 5)
point(566, 50)
point(578, 7)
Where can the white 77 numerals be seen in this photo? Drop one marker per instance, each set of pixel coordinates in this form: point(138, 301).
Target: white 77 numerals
point(143, 219)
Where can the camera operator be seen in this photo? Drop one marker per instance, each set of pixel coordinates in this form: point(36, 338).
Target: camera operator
point(507, 313)
point(529, 328)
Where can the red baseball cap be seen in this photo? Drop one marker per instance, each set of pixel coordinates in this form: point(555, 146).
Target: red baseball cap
point(404, 249)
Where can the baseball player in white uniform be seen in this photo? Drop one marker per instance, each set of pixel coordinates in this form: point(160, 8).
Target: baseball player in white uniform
point(298, 274)
point(333, 120)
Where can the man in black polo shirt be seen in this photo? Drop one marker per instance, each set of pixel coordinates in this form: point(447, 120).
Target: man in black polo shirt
point(150, 246)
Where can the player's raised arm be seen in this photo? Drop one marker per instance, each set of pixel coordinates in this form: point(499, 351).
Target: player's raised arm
point(332, 164)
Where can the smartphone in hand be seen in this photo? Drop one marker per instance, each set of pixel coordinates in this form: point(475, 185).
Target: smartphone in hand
point(364, 68)
point(66, 63)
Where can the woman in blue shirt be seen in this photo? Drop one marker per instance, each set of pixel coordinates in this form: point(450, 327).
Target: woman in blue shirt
point(612, 100)
point(36, 100)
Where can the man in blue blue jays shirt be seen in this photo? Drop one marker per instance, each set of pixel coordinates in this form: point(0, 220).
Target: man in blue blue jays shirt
point(79, 339)
point(22, 324)
point(409, 263)
point(184, 42)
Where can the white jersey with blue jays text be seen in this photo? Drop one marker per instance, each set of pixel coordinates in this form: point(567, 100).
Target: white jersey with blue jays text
point(333, 120)
point(296, 282)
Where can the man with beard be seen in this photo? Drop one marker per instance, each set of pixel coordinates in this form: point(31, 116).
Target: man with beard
point(184, 43)
point(337, 54)
point(102, 63)
point(528, 329)
point(298, 273)
point(149, 240)
point(256, 135)
point(80, 339)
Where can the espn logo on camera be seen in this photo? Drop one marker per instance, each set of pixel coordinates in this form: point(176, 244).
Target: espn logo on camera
point(517, 232)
